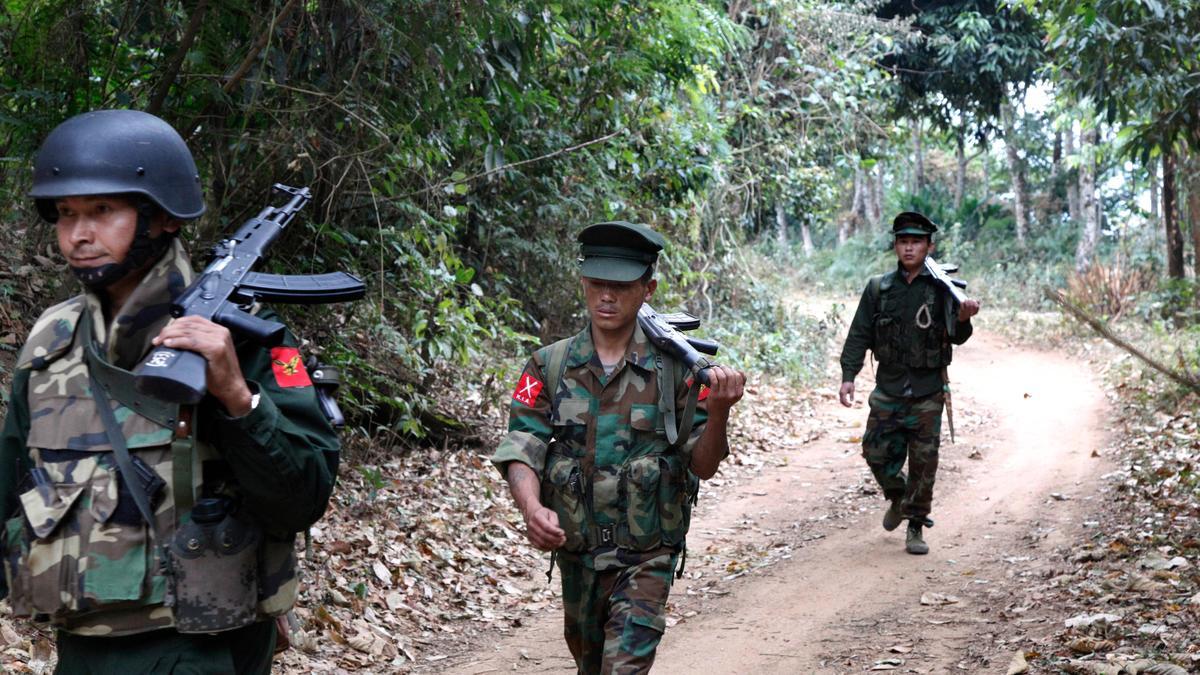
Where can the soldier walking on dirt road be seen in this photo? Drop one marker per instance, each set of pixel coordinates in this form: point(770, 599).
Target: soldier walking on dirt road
point(601, 472)
point(902, 319)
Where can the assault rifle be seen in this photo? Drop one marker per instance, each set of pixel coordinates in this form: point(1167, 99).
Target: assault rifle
point(664, 331)
point(956, 297)
point(227, 288)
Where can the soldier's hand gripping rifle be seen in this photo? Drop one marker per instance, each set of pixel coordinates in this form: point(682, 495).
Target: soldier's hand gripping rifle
point(227, 287)
point(954, 287)
point(664, 331)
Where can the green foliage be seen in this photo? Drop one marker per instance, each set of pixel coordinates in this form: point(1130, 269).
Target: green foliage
point(960, 67)
point(1136, 61)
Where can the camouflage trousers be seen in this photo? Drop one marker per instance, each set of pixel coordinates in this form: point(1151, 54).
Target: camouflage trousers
point(616, 618)
point(900, 429)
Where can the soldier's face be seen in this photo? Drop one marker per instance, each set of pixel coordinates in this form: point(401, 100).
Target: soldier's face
point(613, 305)
point(912, 249)
point(98, 230)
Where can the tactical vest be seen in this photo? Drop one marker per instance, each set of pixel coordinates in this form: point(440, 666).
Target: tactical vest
point(640, 504)
point(918, 341)
point(79, 555)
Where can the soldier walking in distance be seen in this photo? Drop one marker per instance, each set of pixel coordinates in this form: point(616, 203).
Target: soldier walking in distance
point(902, 319)
point(122, 513)
point(602, 473)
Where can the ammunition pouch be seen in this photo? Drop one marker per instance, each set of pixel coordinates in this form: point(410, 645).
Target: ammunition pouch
point(899, 340)
point(212, 569)
point(223, 572)
point(654, 499)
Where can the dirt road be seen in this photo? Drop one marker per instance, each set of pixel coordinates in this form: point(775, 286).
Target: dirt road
point(790, 571)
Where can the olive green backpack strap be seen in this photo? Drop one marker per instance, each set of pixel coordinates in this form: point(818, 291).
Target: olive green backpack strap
point(678, 429)
point(556, 365)
point(875, 291)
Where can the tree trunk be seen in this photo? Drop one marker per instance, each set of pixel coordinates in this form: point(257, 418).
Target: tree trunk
point(781, 234)
point(872, 197)
point(1193, 199)
point(1171, 217)
point(1016, 169)
point(1085, 252)
point(1154, 198)
point(1073, 177)
point(859, 206)
point(960, 173)
point(806, 238)
point(918, 182)
point(877, 193)
point(987, 178)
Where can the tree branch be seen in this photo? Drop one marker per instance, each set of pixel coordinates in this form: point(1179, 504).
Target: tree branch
point(247, 62)
point(172, 70)
point(1103, 330)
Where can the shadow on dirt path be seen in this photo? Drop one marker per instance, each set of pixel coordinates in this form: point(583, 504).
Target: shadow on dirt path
point(790, 571)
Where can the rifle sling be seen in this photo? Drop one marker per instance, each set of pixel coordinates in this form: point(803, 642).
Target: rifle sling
point(105, 379)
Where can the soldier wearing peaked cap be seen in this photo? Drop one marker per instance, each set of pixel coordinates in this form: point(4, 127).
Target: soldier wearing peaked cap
point(599, 478)
point(900, 319)
point(153, 538)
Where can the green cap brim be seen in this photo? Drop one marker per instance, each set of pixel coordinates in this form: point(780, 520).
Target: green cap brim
point(612, 269)
point(912, 230)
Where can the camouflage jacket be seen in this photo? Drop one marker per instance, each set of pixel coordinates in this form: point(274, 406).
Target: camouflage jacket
point(599, 445)
point(76, 552)
point(904, 325)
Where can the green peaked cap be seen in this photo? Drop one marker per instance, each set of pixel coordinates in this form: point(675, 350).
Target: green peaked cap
point(911, 222)
point(618, 250)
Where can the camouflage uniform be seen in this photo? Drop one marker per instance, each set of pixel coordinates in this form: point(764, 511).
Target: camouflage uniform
point(623, 495)
point(904, 325)
point(77, 554)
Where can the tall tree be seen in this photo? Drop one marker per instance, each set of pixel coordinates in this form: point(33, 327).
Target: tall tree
point(1089, 224)
point(973, 57)
point(1137, 61)
point(1016, 170)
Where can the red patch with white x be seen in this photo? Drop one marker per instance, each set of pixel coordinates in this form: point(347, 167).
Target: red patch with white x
point(527, 390)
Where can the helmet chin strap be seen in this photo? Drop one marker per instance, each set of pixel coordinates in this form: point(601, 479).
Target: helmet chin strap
point(143, 250)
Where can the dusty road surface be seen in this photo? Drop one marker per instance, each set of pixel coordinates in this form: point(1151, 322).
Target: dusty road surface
point(790, 571)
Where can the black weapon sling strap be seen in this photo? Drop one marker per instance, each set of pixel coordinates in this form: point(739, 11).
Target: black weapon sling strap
point(106, 379)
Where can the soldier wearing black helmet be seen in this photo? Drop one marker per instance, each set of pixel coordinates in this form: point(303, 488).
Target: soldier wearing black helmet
point(78, 554)
point(900, 319)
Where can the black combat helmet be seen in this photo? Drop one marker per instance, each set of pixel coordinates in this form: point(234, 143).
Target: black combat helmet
point(114, 152)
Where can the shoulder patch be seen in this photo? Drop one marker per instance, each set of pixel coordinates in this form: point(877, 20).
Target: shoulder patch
point(289, 368)
point(528, 388)
point(52, 334)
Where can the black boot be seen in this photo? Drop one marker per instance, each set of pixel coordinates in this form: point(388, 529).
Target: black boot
point(892, 517)
point(914, 543)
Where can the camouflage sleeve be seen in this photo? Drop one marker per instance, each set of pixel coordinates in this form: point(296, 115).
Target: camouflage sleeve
point(858, 339)
point(14, 454)
point(529, 428)
point(278, 450)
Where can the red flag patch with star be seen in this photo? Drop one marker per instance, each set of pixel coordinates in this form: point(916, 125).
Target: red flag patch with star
point(703, 389)
point(289, 369)
point(527, 389)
